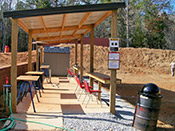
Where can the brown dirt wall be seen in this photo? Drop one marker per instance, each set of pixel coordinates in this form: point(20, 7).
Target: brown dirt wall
point(138, 66)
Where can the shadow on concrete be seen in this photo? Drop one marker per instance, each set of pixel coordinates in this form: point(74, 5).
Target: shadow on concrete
point(24, 105)
point(129, 92)
point(121, 112)
point(164, 129)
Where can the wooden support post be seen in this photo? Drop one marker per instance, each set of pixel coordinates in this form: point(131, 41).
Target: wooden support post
point(76, 44)
point(37, 58)
point(92, 55)
point(41, 55)
point(30, 51)
point(81, 59)
point(14, 47)
point(113, 72)
point(99, 88)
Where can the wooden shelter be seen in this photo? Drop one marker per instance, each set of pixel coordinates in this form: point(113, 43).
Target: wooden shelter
point(61, 25)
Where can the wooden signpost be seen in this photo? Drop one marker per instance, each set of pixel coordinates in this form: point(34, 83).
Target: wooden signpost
point(113, 71)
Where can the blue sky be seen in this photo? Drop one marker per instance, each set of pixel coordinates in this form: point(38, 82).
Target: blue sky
point(173, 4)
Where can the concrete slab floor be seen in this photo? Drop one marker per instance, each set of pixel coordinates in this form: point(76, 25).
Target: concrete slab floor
point(54, 103)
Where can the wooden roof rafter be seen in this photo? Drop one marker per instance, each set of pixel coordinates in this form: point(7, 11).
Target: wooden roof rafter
point(62, 26)
point(103, 18)
point(99, 21)
point(61, 41)
point(21, 24)
point(44, 26)
point(57, 37)
point(81, 23)
point(62, 23)
point(84, 33)
point(59, 29)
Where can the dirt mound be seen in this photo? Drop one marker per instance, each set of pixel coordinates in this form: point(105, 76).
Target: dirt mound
point(138, 66)
point(5, 58)
point(143, 60)
point(132, 60)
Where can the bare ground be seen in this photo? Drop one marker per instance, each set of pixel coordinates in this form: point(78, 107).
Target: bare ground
point(5, 58)
point(137, 67)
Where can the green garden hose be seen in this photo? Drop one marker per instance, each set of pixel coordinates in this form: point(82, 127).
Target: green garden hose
point(7, 103)
point(12, 123)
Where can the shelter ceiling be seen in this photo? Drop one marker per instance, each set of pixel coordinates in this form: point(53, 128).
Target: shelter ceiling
point(54, 28)
point(63, 24)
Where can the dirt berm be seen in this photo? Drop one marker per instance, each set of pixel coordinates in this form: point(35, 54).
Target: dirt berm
point(138, 66)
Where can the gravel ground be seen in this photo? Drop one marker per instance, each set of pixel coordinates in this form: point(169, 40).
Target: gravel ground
point(97, 122)
point(122, 121)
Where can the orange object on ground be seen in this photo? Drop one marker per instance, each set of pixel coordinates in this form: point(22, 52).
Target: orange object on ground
point(6, 49)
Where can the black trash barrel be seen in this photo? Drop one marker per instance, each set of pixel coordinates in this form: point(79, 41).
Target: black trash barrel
point(147, 108)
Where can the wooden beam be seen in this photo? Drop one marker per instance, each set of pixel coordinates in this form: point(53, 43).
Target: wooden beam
point(63, 22)
point(84, 19)
point(37, 58)
point(92, 50)
point(30, 51)
point(76, 69)
point(21, 24)
point(86, 32)
point(103, 18)
point(34, 37)
point(66, 28)
point(41, 55)
point(14, 47)
point(62, 26)
point(113, 72)
point(92, 54)
point(74, 32)
point(81, 23)
point(43, 25)
point(76, 45)
point(62, 41)
point(81, 59)
point(57, 37)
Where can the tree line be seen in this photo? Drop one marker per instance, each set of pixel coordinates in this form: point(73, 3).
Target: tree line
point(143, 23)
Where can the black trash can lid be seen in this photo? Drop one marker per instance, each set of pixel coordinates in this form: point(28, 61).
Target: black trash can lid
point(151, 89)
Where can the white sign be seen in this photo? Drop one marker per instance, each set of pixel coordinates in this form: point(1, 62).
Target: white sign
point(114, 60)
point(114, 56)
point(113, 64)
point(114, 44)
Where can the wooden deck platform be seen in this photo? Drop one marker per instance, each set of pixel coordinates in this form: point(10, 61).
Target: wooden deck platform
point(54, 103)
